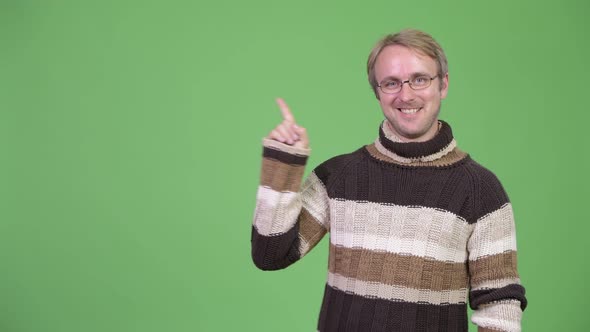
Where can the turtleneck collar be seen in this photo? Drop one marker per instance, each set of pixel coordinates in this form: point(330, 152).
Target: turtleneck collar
point(437, 147)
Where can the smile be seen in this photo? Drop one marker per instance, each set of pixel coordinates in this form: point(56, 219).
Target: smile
point(408, 110)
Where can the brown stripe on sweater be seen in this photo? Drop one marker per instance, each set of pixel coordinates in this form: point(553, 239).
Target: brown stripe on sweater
point(310, 231)
point(399, 270)
point(448, 159)
point(285, 157)
point(280, 176)
point(493, 267)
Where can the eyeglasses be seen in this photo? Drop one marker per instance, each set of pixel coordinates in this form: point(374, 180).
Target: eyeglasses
point(416, 83)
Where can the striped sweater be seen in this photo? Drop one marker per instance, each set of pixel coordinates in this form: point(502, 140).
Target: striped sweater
point(415, 229)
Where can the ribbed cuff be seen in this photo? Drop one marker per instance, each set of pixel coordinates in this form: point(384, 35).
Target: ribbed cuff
point(271, 143)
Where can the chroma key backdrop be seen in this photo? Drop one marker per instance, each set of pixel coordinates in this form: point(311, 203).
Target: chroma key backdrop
point(130, 149)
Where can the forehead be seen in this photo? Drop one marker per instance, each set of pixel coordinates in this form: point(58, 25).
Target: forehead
point(401, 62)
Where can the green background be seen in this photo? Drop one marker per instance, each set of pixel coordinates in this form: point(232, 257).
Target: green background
point(130, 137)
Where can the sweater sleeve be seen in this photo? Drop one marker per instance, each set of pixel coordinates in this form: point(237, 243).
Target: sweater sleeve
point(496, 294)
point(290, 218)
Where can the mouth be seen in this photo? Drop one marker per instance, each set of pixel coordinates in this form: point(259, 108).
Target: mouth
point(409, 110)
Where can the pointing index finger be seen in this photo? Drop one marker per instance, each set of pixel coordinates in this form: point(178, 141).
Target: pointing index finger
point(287, 115)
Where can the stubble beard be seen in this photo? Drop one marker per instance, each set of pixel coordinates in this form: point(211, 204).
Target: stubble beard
point(407, 135)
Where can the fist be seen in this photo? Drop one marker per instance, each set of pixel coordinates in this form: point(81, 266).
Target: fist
point(288, 132)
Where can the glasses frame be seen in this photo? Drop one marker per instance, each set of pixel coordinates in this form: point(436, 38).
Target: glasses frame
point(401, 86)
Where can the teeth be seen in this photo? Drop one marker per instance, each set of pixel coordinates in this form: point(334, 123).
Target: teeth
point(408, 110)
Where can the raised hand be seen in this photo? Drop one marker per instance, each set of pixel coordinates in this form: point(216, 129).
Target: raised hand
point(288, 131)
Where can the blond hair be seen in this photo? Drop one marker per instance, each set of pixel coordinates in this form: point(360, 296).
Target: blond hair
point(416, 40)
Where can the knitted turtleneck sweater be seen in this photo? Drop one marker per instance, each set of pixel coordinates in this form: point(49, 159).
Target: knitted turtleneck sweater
point(416, 229)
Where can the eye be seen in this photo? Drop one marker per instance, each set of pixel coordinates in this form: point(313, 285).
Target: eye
point(421, 80)
point(390, 84)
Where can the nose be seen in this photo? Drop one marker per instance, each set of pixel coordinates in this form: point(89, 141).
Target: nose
point(406, 93)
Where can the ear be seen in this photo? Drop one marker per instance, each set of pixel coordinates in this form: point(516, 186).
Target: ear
point(444, 86)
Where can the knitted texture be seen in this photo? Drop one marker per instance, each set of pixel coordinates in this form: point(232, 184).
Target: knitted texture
point(416, 229)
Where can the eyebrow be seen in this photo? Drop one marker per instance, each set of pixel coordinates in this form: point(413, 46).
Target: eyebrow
point(414, 75)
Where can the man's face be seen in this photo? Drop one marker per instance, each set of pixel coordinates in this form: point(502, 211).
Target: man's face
point(401, 63)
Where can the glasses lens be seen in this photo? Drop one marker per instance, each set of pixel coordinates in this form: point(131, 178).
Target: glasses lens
point(390, 86)
point(420, 82)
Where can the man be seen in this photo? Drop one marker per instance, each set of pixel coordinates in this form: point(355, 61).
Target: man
point(416, 226)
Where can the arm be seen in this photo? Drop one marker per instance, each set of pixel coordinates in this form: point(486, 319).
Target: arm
point(496, 294)
point(289, 219)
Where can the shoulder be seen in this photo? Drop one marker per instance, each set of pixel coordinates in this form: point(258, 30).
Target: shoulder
point(488, 194)
point(330, 169)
